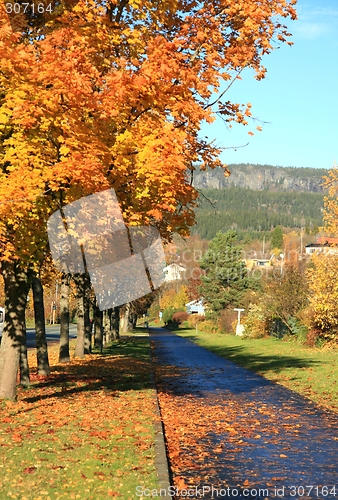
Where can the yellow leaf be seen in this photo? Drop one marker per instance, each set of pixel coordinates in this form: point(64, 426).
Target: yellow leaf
point(64, 150)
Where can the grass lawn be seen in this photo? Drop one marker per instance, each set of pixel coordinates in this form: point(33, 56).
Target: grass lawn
point(83, 432)
point(309, 371)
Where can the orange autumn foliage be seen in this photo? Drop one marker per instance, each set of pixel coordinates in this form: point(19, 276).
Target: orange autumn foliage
point(113, 94)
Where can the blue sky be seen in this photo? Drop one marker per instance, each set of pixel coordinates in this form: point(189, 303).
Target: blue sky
point(298, 98)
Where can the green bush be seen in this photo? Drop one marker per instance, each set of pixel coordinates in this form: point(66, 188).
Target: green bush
point(298, 329)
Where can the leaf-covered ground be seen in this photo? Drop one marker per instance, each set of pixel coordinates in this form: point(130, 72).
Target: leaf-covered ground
point(83, 432)
point(228, 428)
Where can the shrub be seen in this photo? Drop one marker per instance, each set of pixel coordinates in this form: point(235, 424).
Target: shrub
point(169, 313)
point(298, 329)
point(227, 320)
point(209, 326)
point(313, 337)
point(195, 318)
point(277, 328)
point(316, 337)
point(256, 323)
point(179, 317)
point(306, 317)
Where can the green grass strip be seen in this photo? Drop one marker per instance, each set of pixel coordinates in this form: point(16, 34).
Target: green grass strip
point(312, 372)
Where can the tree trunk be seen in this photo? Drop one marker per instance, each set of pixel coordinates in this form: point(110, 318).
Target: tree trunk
point(40, 328)
point(13, 337)
point(98, 328)
point(125, 317)
point(106, 327)
point(80, 290)
point(109, 324)
point(64, 356)
point(23, 363)
point(87, 322)
point(132, 319)
point(115, 322)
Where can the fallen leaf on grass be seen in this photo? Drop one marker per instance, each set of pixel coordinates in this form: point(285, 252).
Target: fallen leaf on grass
point(112, 493)
point(29, 470)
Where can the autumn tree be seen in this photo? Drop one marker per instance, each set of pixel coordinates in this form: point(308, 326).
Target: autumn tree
point(113, 94)
point(323, 287)
point(323, 271)
point(194, 283)
point(286, 294)
point(330, 213)
point(291, 248)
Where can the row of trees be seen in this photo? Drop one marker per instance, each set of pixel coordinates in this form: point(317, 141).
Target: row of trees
point(95, 327)
point(101, 94)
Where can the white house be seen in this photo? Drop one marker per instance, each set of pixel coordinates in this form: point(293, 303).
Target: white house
point(174, 272)
point(195, 307)
point(320, 248)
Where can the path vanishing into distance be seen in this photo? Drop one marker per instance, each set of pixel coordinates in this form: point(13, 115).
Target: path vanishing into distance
point(233, 434)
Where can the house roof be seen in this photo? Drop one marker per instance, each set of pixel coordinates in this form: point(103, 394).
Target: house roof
point(327, 240)
point(320, 245)
point(176, 266)
point(195, 302)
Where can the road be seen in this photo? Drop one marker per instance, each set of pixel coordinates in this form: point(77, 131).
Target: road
point(227, 426)
point(52, 334)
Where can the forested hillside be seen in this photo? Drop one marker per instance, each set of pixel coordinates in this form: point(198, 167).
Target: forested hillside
point(253, 212)
point(263, 177)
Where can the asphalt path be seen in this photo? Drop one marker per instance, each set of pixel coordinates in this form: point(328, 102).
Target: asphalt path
point(52, 334)
point(283, 443)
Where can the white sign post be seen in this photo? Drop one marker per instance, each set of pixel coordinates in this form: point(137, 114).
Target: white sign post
point(239, 327)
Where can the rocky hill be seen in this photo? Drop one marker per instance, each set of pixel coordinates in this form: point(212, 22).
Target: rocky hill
point(263, 177)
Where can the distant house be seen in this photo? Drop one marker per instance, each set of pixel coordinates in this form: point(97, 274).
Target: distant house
point(174, 272)
point(324, 245)
point(195, 307)
point(265, 260)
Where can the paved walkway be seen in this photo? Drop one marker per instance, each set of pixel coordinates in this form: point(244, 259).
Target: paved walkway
point(270, 438)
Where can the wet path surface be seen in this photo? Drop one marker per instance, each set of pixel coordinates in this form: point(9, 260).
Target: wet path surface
point(231, 430)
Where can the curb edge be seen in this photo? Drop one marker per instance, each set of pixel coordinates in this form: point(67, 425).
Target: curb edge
point(161, 459)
